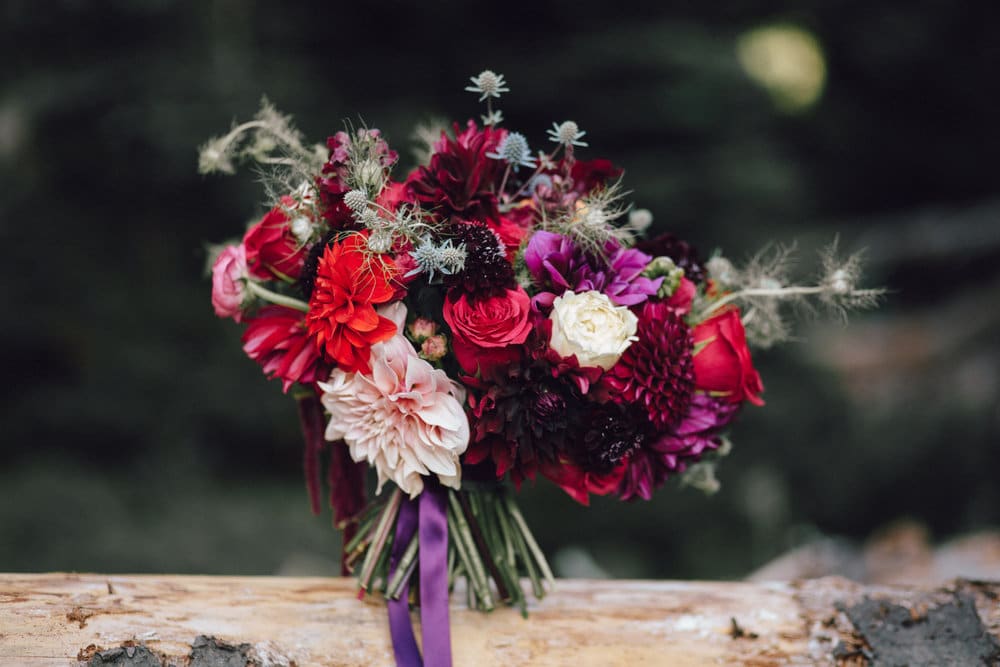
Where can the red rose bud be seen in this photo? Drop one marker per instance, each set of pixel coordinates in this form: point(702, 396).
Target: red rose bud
point(722, 364)
point(486, 330)
point(272, 249)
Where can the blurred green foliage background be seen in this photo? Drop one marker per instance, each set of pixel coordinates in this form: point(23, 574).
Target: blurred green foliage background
point(137, 437)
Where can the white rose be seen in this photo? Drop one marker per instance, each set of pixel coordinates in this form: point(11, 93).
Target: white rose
point(590, 326)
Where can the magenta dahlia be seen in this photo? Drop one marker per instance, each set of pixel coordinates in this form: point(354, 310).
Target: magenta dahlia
point(656, 371)
point(661, 455)
point(557, 264)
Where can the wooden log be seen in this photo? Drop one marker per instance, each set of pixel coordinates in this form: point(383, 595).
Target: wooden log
point(70, 619)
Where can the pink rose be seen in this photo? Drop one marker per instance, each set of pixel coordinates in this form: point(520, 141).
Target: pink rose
point(228, 274)
point(487, 331)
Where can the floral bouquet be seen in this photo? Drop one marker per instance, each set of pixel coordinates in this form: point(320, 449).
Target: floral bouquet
point(494, 316)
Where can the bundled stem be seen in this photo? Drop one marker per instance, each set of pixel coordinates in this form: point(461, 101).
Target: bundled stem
point(489, 545)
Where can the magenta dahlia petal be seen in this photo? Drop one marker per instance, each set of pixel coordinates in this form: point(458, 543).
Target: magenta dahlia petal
point(672, 451)
point(557, 264)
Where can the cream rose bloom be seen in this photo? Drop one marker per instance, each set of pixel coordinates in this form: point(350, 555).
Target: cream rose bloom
point(590, 326)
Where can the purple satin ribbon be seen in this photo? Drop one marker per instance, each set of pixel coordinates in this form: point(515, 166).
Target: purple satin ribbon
point(425, 516)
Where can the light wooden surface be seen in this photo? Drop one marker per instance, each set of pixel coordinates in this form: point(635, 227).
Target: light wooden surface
point(52, 619)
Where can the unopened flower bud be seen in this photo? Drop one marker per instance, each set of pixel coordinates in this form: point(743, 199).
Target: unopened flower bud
point(301, 228)
point(434, 348)
point(721, 270)
point(380, 242)
point(421, 329)
point(839, 282)
point(370, 175)
point(640, 219)
point(671, 273)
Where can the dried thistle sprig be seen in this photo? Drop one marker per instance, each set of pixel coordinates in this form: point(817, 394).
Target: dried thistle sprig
point(567, 133)
point(369, 160)
point(489, 85)
point(591, 220)
point(762, 289)
point(443, 258)
point(269, 139)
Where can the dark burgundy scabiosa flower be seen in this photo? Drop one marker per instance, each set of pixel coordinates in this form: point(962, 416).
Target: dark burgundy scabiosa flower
point(311, 264)
point(683, 253)
point(606, 434)
point(460, 180)
point(656, 371)
point(486, 272)
point(659, 456)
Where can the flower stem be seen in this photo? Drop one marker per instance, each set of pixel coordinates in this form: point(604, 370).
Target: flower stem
point(529, 539)
point(777, 292)
point(385, 524)
point(262, 292)
point(403, 568)
point(503, 183)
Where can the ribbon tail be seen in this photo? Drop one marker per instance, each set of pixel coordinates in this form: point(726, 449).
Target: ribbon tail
point(404, 642)
point(434, 623)
point(311, 419)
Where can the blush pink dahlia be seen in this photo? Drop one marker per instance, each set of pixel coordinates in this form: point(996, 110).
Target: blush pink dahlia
point(404, 417)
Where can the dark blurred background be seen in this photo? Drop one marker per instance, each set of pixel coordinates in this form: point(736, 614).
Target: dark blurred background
point(137, 437)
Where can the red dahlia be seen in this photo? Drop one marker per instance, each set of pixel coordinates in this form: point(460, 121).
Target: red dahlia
point(342, 318)
point(657, 370)
point(460, 179)
point(277, 339)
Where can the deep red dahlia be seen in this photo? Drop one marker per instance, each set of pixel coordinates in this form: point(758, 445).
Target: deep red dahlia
point(460, 179)
point(605, 435)
point(277, 339)
point(593, 174)
point(657, 370)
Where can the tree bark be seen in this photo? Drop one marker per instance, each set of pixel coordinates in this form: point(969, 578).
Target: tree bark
point(68, 619)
